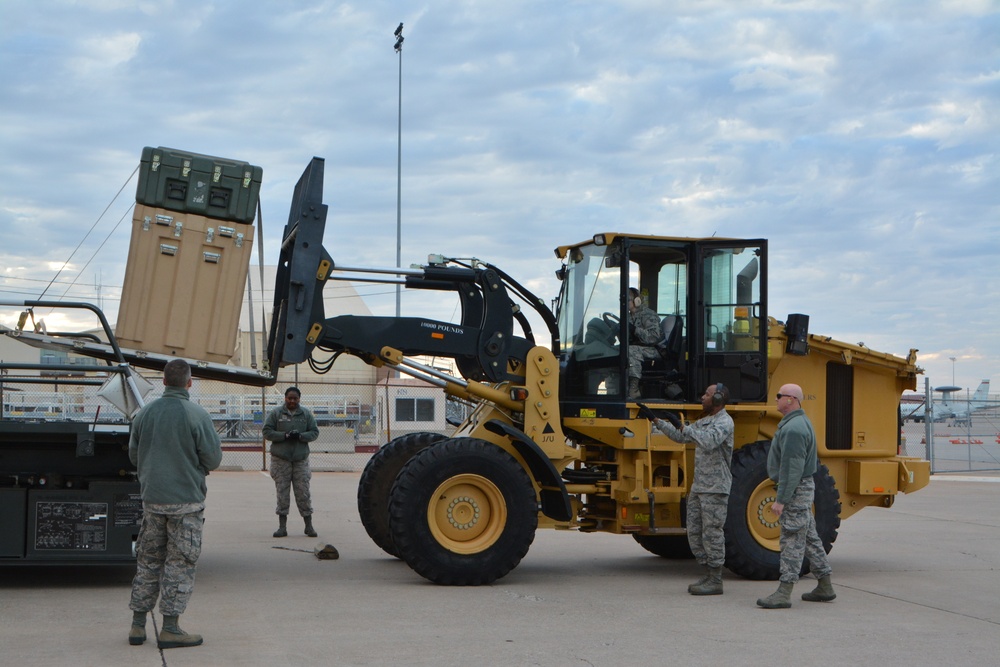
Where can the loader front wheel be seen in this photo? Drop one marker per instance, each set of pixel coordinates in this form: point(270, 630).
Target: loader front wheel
point(753, 548)
point(376, 483)
point(463, 513)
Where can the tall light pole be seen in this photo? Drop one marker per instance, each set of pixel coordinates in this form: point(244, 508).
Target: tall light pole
point(399, 163)
point(952, 371)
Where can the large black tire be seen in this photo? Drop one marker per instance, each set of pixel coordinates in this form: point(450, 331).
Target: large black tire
point(376, 483)
point(666, 546)
point(463, 513)
point(752, 531)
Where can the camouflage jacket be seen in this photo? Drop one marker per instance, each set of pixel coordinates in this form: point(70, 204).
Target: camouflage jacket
point(713, 451)
point(645, 327)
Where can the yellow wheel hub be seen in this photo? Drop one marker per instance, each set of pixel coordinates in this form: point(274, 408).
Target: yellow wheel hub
point(761, 519)
point(467, 514)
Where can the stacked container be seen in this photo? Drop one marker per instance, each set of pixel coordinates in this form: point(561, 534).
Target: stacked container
point(192, 233)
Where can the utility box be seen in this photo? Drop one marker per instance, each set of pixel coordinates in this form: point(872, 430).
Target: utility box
point(199, 184)
point(872, 477)
point(184, 284)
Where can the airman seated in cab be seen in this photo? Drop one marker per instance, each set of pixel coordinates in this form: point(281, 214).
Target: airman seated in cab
point(644, 334)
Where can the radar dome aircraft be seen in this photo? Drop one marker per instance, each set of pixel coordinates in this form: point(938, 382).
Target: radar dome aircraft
point(950, 406)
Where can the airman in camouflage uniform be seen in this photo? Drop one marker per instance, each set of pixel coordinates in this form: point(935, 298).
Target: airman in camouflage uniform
point(290, 428)
point(173, 445)
point(644, 334)
point(791, 464)
point(708, 499)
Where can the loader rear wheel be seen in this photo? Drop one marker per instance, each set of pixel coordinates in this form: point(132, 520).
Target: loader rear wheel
point(376, 483)
point(666, 546)
point(753, 534)
point(463, 513)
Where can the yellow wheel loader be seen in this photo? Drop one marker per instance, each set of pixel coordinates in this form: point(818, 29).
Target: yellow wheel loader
point(555, 439)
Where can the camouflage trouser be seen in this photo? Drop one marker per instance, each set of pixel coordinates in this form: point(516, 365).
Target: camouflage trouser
point(706, 521)
point(636, 353)
point(799, 538)
point(166, 554)
point(287, 474)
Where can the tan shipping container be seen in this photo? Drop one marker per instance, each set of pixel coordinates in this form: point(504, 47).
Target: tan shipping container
point(184, 284)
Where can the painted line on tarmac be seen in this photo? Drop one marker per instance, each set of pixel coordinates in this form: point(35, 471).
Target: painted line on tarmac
point(964, 478)
point(918, 604)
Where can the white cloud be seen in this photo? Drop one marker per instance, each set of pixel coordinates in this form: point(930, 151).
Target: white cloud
point(737, 129)
point(100, 53)
point(952, 123)
point(762, 78)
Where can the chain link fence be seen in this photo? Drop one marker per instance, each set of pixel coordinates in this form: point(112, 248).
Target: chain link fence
point(354, 419)
point(969, 444)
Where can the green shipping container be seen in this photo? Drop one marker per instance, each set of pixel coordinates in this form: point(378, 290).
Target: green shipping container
point(200, 184)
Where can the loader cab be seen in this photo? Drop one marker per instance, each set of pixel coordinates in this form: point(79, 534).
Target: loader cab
point(709, 296)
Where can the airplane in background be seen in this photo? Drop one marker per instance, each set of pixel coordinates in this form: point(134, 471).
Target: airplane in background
point(950, 406)
point(964, 409)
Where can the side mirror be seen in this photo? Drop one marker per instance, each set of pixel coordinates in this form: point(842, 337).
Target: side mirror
point(797, 332)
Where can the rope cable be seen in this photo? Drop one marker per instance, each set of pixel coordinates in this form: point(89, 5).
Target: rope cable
point(96, 222)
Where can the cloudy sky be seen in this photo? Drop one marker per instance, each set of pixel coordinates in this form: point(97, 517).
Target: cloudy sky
point(861, 138)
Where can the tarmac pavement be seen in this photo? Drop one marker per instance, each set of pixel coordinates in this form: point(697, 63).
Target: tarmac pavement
point(916, 584)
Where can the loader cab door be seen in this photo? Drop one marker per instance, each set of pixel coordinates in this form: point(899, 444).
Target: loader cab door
point(728, 329)
point(594, 323)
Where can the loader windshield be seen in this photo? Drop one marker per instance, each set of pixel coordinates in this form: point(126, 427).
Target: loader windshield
point(589, 317)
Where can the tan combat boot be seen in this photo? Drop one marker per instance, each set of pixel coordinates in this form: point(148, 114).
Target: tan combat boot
point(701, 581)
point(712, 584)
point(779, 599)
point(633, 389)
point(822, 593)
point(137, 633)
point(171, 636)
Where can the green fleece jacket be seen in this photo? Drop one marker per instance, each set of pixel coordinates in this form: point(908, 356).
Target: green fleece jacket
point(792, 456)
point(174, 446)
point(280, 421)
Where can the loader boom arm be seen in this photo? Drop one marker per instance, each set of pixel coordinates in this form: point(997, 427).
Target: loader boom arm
point(483, 343)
